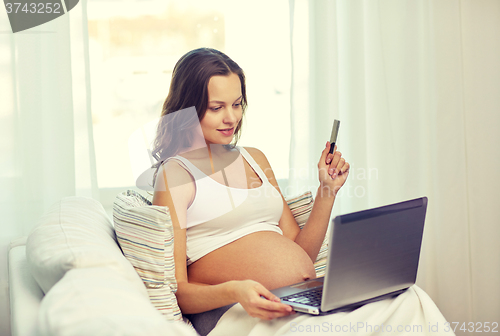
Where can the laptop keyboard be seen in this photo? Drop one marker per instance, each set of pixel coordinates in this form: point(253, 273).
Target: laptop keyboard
point(311, 297)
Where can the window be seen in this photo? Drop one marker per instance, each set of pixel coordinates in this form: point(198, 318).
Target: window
point(134, 46)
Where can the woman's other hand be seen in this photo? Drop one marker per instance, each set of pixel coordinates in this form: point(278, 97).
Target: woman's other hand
point(259, 301)
point(332, 170)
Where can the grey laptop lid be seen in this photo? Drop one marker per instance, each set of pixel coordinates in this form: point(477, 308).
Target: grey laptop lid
point(373, 252)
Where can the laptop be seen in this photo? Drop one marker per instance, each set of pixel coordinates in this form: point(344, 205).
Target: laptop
point(372, 255)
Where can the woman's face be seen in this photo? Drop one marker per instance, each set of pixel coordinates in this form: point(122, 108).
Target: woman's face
point(224, 110)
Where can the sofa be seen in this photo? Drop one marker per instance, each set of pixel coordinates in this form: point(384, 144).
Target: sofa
point(80, 273)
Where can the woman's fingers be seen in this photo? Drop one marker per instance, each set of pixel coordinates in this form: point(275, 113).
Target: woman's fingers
point(329, 156)
point(345, 167)
point(333, 162)
point(266, 293)
point(269, 310)
point(274, 306)
point(340, 165)
point(337, 157)
point(271, 301)
point(324, 155)
point(269, 305)
point(272, 310)
point(333, 165)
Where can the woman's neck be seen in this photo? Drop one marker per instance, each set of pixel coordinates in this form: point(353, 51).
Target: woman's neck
point(204, 152)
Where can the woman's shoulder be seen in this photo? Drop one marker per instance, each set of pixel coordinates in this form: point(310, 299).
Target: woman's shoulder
point(255, 152)
point(176, 171)
point(173, 165)
point(258, 156)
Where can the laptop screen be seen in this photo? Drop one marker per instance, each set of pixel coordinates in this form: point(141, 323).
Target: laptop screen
point(373, 252)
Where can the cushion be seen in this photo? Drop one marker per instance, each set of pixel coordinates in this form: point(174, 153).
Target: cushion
point(301, 207)
point(145, 234)
point(75, 233)
point(99, 301)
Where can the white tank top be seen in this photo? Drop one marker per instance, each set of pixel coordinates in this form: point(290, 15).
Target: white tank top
point(220, 215)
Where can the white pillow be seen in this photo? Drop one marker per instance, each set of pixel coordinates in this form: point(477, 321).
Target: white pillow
point(75, 233)
point(99, 301)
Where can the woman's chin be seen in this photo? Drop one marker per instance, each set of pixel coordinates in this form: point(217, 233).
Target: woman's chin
point(220, 141)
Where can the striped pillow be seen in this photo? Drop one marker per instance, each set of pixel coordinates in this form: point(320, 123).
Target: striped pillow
point(145, 235)
point(301, 207)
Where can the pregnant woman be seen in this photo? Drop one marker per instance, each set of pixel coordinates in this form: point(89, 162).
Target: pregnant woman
point(234, 235)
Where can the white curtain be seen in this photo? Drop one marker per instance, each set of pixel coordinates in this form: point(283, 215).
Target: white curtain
point(45, 125)
point(416, 86)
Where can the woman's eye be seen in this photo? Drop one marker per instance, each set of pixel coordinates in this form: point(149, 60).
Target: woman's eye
point(217, 108)
point(237, 104)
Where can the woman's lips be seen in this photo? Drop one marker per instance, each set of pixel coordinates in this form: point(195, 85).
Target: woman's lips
point(227, 131)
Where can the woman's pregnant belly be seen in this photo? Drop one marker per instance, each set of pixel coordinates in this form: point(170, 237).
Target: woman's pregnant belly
point(266, 257)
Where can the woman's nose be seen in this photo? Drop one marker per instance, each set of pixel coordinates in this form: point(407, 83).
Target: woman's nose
point(230, 116)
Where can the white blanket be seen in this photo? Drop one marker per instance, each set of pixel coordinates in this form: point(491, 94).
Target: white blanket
point(411, 313)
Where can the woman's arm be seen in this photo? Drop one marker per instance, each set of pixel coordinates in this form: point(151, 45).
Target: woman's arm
point(311, 237)
point(177, 192)
point(333, 171)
